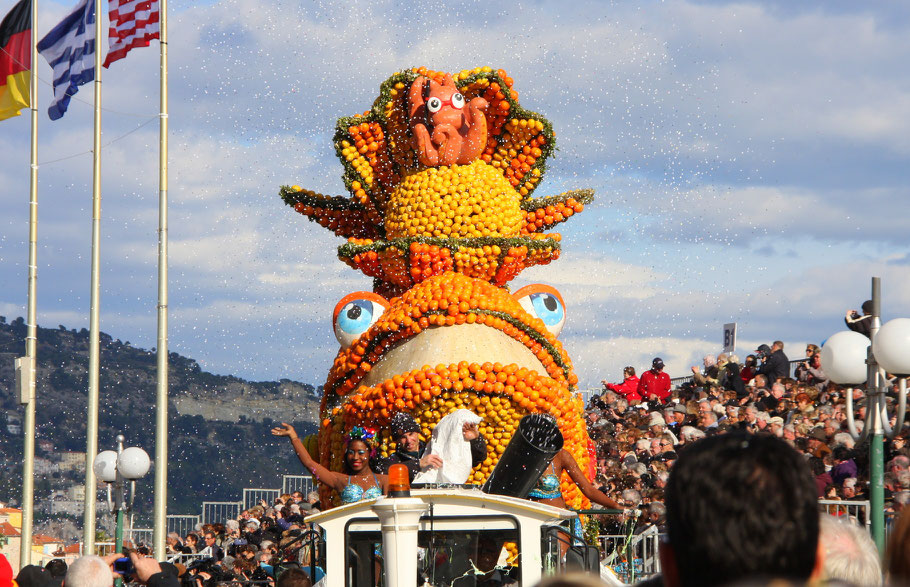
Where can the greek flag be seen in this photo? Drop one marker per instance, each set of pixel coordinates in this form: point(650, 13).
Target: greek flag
point(70, 49)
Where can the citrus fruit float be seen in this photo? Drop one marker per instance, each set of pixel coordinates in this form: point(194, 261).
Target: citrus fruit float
point(440, 172)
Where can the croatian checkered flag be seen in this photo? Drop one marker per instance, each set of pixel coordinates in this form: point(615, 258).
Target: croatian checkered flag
point(134, 23)
point(70, 50)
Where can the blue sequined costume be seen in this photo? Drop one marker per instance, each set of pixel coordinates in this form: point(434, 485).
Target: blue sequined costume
point(547, 487)
point(354, 493)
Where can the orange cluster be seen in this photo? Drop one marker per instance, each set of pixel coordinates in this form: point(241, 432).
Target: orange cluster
point(499, 98)
point(549, 216)
point(500, 394)
point(517, 151)
point(341, 220)
point(404, 265)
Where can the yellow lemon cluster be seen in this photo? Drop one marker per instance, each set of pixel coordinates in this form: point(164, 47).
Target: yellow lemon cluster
point(472, 200)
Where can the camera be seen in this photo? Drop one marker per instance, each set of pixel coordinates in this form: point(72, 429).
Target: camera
point(124, 567)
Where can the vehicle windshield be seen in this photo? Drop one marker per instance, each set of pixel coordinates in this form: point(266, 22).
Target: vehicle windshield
point(460, 553)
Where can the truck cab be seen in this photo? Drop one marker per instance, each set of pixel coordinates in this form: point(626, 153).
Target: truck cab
point(446, 536)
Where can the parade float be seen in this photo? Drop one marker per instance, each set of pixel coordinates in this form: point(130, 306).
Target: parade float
point(442, 172)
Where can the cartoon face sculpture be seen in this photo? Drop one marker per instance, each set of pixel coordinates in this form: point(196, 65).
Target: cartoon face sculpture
point(440, 216)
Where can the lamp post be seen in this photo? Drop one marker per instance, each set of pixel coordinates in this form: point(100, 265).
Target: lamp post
point(116, 468)
point(850, 358)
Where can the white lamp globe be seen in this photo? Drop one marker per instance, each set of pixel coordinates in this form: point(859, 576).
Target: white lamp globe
point(892, 346)
point(844, 357)
point(105, 466)
point(133, 463)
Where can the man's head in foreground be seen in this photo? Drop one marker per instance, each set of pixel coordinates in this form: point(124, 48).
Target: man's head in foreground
point(739, 506)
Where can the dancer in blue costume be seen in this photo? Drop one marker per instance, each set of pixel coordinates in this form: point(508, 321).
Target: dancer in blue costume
point(547, 489)
point(358, 481)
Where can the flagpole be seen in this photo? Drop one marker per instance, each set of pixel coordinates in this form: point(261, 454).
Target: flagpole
point(91, 442)
point(160, 512)
point(31, 337)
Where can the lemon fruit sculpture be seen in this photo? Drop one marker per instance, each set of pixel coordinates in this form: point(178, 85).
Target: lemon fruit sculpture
point(441, 170)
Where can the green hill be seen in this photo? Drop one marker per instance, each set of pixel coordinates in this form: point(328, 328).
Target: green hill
point(218, 426)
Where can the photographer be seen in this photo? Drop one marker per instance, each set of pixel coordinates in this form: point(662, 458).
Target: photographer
point(775, 364)
point(860, 323)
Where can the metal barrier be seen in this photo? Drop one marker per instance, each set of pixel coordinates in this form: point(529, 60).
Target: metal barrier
point(252, 497)
point(859, 511)
point(101, 548)
point(219, 511)
point(181, 524)
point(632, 557)
point(302, 483)
point(187, 559)
point(140, 536)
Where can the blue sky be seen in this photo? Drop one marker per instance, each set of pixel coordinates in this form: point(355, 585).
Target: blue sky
point(750, 162)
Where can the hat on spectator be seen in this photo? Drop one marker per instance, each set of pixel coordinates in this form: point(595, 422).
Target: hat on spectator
point(629, 459)
point(818, 433)
point(670, 455)
point(403, 423)
point(657, 363)
point(850, 482)
point(680, 409)
point(657, 420)
point(642, 407)
point(305, 506)
point(253, 522)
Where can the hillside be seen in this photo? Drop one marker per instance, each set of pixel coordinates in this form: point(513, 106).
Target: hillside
point(218, 426)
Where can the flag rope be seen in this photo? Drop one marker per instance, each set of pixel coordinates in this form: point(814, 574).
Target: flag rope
point(112, 141)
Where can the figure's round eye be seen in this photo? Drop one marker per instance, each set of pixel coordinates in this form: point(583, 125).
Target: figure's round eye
point(544, 302)
point(434, 104)
point(457, 100)
point(354, 315)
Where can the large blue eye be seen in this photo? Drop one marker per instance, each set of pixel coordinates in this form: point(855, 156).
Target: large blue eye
point(545, 303)
point(354, 315)
point(548, 308)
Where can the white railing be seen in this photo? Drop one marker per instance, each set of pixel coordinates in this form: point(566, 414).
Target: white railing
point(181, 524)
point(187, 559)
point(632, 557)
point(140, 536)
point(252, 497)
point(301, 483)
point(220, 511)
point(858, 511)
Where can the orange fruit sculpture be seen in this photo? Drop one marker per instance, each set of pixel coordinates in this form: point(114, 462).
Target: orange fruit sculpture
point(440, 172)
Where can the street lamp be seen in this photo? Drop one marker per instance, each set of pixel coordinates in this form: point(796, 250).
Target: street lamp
point(850, 358)
point(114, 468)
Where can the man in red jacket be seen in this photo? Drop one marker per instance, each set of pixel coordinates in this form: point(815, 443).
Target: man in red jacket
point(654, 384)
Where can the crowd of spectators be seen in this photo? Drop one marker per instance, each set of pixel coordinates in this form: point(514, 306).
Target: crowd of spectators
point(639, 431)
point(250, 548)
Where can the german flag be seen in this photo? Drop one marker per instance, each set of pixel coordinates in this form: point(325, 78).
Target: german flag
point(15, 59)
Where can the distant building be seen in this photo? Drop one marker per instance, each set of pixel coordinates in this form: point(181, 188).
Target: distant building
point(45, 466)
point(71, 461)
point(13, 424)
